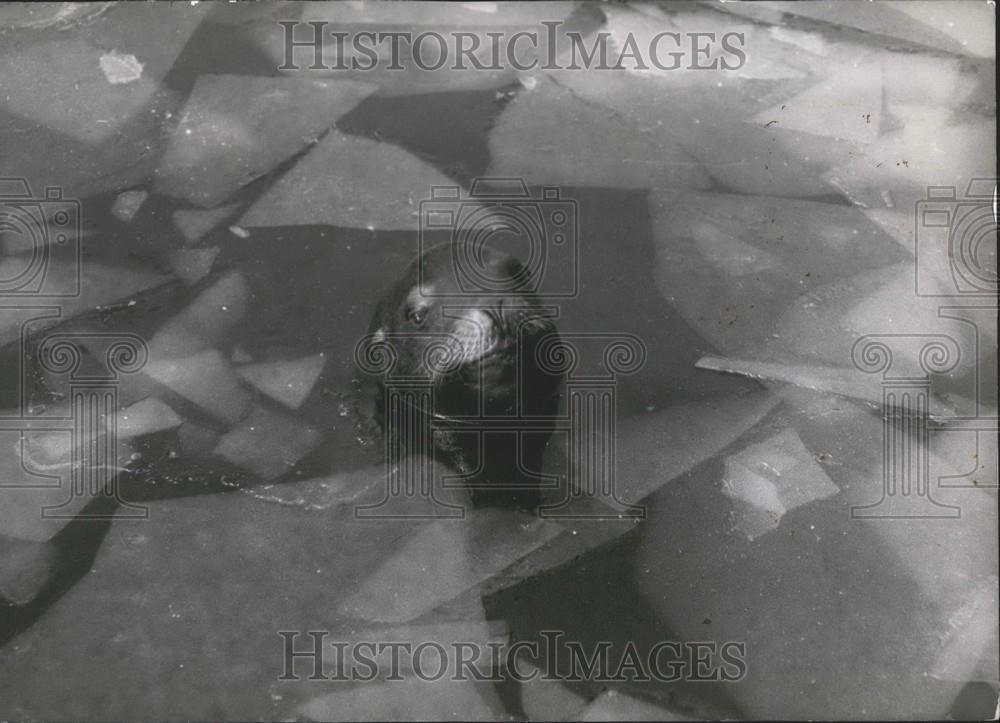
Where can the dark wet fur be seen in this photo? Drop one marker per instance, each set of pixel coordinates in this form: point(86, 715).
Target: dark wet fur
point(495, 478)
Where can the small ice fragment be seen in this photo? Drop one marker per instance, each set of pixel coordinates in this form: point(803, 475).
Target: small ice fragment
point(120, 68)
point(127, 204)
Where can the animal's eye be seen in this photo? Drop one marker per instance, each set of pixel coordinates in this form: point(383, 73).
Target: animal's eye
point(417, 316)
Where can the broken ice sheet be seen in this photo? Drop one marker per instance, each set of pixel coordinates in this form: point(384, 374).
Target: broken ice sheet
point(349, 181)
point(740, 156)
point(294, 565)
point(548, 135)
point(969, 24)
point(732, 264)
point(920, 23)
point(442, 559)
point(145, 417)
point(36, 468)
point(192, 265)
point(288, 382)
point(969, 646)
point(770, 478)
point(125, 158)
point(267, 443)
point(824, 324)
point(62, 83)
point(846, 104)
point(652, 450)
point(235, 128)
point(846, 381)
point(206, 379)
point(930, 149)
point(207, 322)
point(81, 287)
point(25, 568)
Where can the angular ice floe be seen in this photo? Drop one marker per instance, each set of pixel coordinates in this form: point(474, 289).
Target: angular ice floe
point(192, 265)
point(824, 324)
point(652, 450)
point(145, 417)
point(732, 264)
point(37, 467)
point(208, 321)
point(78, 287)
point(732, 255)
point(207, 380)
point(127, 204)
point(917, 22)
point(444, 558)
point(120, 68)
point(770, 478)
point(795, 595)
point(267, 443)
point(846, 104)
point(656, 448)
point(295, 565)
point(288, 382)
point(929, 150)
point(25, 568)
point(126, 156)
point(235, 128)
point(969, 650)
point(349, 181)
point(548, 135)
point(749, 157)
point(969, 24)
point(846, 381)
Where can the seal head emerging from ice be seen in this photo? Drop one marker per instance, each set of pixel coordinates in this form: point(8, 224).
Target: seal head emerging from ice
point(463, 323)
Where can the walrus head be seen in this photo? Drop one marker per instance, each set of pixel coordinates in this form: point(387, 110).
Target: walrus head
point(472, 344)
point(476, 351)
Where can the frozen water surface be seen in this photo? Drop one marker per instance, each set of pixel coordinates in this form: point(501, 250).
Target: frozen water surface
point(793, 240)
